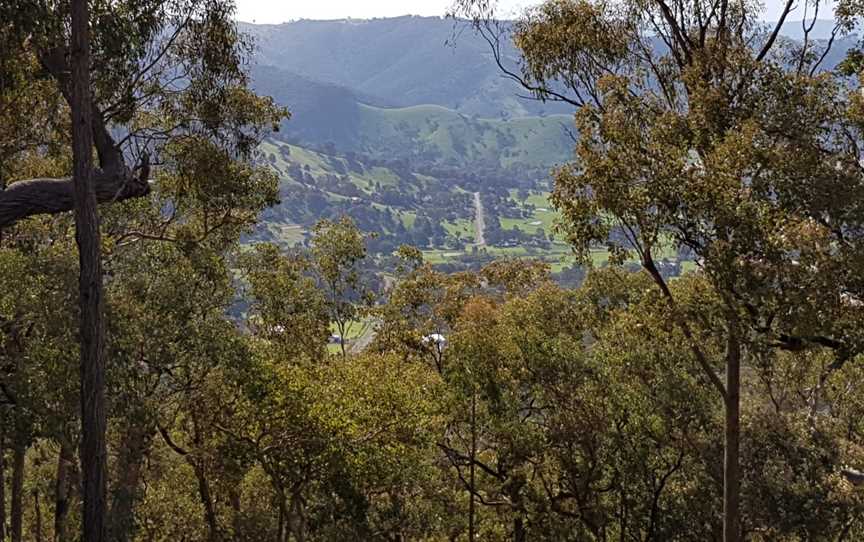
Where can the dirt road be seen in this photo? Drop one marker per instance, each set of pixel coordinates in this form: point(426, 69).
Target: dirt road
point(479, 222)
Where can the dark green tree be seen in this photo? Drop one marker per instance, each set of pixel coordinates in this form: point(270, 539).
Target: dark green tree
point(700, 129)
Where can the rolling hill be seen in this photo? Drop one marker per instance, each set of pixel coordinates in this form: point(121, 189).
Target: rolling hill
point(399, 62)
point(329, 115)
point(406, 61)
point(399, 122)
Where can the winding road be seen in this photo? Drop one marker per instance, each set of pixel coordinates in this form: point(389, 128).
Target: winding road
point(479, 222)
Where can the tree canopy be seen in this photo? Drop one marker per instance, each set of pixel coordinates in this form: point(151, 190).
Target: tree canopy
point(321, 392)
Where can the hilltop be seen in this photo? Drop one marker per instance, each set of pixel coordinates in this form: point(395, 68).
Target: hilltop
point(410, 60)
point(403, 117)
point(399, 62)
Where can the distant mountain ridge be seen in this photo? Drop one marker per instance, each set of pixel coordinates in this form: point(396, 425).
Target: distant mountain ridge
point(340, 78)
point(320, 112)
point(399, 62)
point(821, 29)
point(397, 122)
point(411, 60)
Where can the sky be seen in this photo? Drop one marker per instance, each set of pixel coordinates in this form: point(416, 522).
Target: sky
point(280, 11)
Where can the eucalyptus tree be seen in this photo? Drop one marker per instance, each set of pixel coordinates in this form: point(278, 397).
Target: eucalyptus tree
point(287, 309)
point(702, 128)
point(139, 78)
point(421, 309)
point(338, 252)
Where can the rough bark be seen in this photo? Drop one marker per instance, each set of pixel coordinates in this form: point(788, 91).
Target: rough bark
point(93, 452)
point(127, 485)
point(61, 491)
point(16, 510)
point(52, 196)
point(112, 182)
point(731, 470)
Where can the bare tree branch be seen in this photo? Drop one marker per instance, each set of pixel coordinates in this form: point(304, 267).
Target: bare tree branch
point(776, 32)
point(52, 196)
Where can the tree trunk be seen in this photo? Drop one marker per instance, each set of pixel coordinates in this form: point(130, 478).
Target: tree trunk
point(37, 512)
point(52, 196)
point(61, 491)
point(280, 532)
point(471, 510)
point(236, 509)
point(519, 534)
point(207, 501)
point(516, 484)
point(121, 520)
point(93, 453)
point(731, 471)
point(2, 478)
point(297, 518)
point(17, 510)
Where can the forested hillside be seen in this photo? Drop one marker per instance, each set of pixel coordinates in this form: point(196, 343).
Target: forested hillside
point(424, 97)
point(386, 167)
point(398, 62)
point(369, 294)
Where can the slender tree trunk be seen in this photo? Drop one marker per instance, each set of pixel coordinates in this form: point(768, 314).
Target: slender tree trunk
point(519, 534)
point(127, 483)
point(280, 534)
point(731, 470)
point(2, 478)
point(207, 501)
point(93, 453)
point(340, 325)
point(236, 509)
point(516, 484)
point(61, 491)
point(471, 512)
point(37, 511)
point(296, 518)
point(17, 510)
point(730, 392)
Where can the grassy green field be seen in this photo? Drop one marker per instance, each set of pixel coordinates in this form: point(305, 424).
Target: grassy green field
point(281, 155)
point(538, 213)
point(288, 234)
point(462, 228)
point(354, 330)
point(450, 137)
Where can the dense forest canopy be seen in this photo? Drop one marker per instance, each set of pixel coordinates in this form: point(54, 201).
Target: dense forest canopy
point(344, 387)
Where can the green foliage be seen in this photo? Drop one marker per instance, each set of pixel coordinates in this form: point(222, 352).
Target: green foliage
point(291, 310)
point(338, 249)
point(559, 414)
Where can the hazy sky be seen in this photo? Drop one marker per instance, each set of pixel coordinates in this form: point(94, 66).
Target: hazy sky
point(279, 11)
